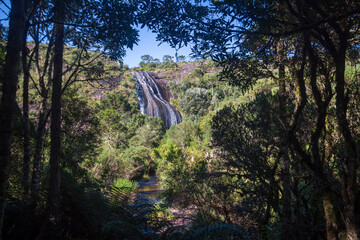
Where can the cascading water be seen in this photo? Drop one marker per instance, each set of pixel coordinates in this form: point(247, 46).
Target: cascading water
point(152, 102)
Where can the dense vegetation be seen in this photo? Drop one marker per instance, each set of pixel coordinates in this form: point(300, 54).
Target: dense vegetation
point(269, 143)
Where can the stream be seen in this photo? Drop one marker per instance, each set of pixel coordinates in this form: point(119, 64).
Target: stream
point(151, 189)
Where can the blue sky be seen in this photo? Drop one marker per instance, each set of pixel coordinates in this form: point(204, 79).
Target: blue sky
point(149, 46)
point(146, 46)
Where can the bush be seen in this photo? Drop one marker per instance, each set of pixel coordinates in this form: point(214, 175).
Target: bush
point(195, 102)
point(126, 185)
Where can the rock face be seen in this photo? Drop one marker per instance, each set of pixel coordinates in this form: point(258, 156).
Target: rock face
point(152, 101)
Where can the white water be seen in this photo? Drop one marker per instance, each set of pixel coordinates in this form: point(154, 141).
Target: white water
point(152, 102)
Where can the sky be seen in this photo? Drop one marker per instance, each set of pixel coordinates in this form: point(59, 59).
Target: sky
point(147, 45)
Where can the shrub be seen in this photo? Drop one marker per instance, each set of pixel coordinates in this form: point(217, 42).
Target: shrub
point(195, 102)
point(126, 185)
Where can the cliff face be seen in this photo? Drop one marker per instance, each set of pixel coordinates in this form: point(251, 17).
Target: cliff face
point(152, 100)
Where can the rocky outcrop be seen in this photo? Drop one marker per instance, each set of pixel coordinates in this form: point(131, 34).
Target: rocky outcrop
point(152, 101)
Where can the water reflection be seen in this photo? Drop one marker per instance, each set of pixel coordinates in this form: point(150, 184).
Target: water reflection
point(150, 188)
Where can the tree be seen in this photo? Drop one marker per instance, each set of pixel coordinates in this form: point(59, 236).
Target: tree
point(25, 117)
point(113, 46)
point(147, 58)
point(9, 86)
point(182, 58)
point(167, 59)
point(245, 139)
point(55, 129)
point(318, 36)
point(85, 26)
point(195, 102)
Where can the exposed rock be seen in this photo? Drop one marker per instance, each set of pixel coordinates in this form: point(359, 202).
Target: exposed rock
point(153, 101)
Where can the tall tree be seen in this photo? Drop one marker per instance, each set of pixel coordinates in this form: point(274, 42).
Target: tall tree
point(25, 117)
point(55, 129)
point(89, 28)
point(8, 104)
point(285, 159)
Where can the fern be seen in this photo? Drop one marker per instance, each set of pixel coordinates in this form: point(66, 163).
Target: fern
point(216, 232)
point(121, 230)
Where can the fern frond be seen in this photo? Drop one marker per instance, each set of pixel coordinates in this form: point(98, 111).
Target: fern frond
point(216, 232)
point(122, 230)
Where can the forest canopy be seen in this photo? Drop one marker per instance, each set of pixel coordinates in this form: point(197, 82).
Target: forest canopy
point(268, 146)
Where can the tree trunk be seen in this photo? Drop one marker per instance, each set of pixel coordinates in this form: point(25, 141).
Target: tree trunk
point(349, 186)
point(39, 141)
point(26, 122)
point(43, 114)
point(285, 161)
point(351, 161)
point(332, 228)
point(55, 128)
point(8, 104)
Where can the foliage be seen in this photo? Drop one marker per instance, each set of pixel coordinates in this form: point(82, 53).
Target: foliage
point(269, 135)
point(138, 160)
point(220, 231)
point(248, 145)
point(149, 134)
point(286, 41)
point(149, 63)
point(80, 129)
point(195, 102)
point(125, 185)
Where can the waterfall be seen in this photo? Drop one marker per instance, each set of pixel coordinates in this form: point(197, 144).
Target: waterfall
point(152, 101)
